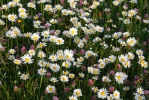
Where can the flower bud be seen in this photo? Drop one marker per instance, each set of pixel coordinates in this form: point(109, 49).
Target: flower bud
point(111, 89)
point(23, 49)
point(90, 82)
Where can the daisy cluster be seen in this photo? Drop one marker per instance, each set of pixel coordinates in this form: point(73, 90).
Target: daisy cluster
point(74, 49)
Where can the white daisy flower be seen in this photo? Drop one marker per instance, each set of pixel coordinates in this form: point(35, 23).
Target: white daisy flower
point(50, 89)
point(102, 93)
point(77, 92)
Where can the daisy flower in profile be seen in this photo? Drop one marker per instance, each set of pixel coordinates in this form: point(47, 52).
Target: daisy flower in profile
point(131, 41)
point(120, 77)
point(35, 37)
point(73, 31)
point(77, 92)
point(31, 5)
point(95, 89)
point(42, 71)
point(139, 52)
point(21, 10)
point(41, 45)
point(130, 55)
point(2, 22)
point(133, 1)
point(53, 79)
point(12, 17)
point(17, 61)
point(143, 63)
point(27, 59)
point(106, 79)
point(112, 58)
point(71, 75)
point(12, 51)
point(50, 89)
point(139, 97)
point(64, 78)
point(73, 98)
point(16, 1)
point(99, 29)
point(41, 54)
point(116, 94)
point(23, 15)
point(24, 76)
point(140, 90)
point(102, 93)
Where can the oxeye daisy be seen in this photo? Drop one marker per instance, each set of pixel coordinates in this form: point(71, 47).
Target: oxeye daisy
point(120, 77)
point(131, 41)
point(21, 10)
point(55, 67)
point(41, 45)
point(32, 52)
point(12, 51)
point(27, 59)
point(17, 61)
point(73, 31)
point(112, 58)
point(41, 54)
point(53, 58)
point(35, 37)
point(50, 89)
point(59, 41)
point(42, 63)
point(31, 5)
point(24, 76)
point(77, 92)
point(64, 78)
point(53, 79)
point(12, 17)
point(66, 64)
point(42, 71)
point(95, 89)
point(71, 76)
point(102, 93)
point(116, 94)
point(73, 98)
point(16, 1)
point(140, 90)
point(106, 79)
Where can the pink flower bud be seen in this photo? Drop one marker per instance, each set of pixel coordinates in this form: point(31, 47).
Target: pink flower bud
point(32, 47)
point(146, 92)
point(146, 16)
point(15, 88)
point(80, 2)
point(66, 90)
point(83, 68)
point(46, 25)
point(111, 89)
point(2, 49)
point(23, 49)
point(62, 2)
point(90, 82)
point(55, 98)
point(82, 52)
point(48, 74)
point(118, 66)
